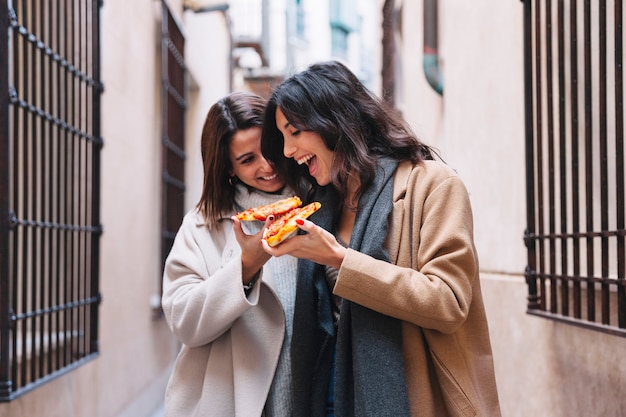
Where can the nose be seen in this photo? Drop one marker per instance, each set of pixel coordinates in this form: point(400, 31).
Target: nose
point(289, 148)
point(265, 164)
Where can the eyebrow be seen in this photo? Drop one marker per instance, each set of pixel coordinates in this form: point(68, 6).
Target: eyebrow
point(240, 157)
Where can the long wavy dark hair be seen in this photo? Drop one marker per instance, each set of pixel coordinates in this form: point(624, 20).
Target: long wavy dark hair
point(236, 111)
point(327, 98)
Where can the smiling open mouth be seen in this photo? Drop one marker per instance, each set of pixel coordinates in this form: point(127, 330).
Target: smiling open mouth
point(304, 159)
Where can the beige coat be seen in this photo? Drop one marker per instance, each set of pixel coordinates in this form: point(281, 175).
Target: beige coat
point(433, 286)
point(231, 343)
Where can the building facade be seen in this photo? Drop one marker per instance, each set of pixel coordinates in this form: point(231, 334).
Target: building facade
point(457, 71)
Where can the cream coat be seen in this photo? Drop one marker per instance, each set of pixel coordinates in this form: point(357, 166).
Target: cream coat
point(433, 286)
point(231, 343)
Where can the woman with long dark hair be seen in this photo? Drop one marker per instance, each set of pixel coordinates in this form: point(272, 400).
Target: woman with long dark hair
point(390, 318)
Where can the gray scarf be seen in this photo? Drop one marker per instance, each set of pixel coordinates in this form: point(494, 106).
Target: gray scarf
point(369, 375)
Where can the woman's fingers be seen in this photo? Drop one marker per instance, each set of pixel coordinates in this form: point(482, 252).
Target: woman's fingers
point(239, 233)
point(305, 225)
point(268, 222)
point(267, 248)
point(245, 240)
point(297, 244)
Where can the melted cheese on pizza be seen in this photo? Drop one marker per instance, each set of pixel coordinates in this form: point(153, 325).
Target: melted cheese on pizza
point(286, 225)
point(277, 208)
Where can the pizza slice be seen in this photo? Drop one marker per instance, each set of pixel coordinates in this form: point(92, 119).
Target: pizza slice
point(285, 226)
point(276, 208)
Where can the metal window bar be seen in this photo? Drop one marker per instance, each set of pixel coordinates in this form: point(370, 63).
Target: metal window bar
point(575, 173)
point(173, 107)
point(49, 190)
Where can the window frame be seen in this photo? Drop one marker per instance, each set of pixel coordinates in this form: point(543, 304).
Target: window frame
point(575, 244)
point(50, 229)
point(173, 154)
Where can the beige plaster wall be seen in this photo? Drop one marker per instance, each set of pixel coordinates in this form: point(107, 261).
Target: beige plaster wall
point(136, 350)
point(544, 368)
point(549, 369)
point(207, 51)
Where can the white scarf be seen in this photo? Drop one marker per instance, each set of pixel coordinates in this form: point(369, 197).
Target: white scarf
point(283, 269)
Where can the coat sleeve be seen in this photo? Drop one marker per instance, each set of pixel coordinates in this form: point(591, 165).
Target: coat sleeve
point(202, 284)
point(433, 288)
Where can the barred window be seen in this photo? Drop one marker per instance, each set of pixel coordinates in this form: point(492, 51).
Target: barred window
point(49, 190)
point(575, 162)
point(173, 107)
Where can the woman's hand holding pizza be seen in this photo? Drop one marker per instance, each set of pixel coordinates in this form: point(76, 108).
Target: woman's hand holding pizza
point(279, 234)
point(253, 256)
point(317, 245)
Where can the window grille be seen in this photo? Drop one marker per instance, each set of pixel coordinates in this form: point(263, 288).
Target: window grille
point(173, 107)
point(49, 190)
point(575, 162)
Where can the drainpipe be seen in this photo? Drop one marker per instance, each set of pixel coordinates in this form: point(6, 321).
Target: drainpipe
point(388, 73)
point(431, 54)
